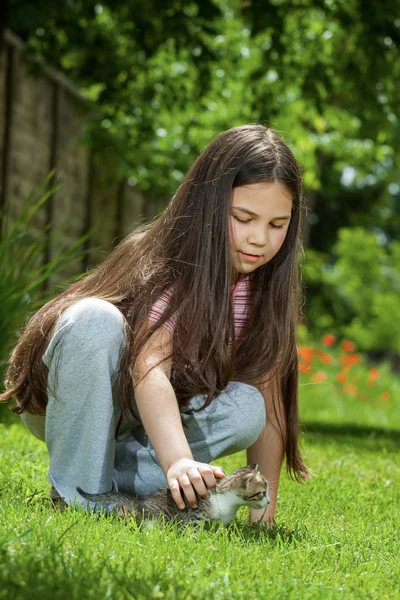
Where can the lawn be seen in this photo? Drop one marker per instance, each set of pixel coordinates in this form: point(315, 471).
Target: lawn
point(336, 537)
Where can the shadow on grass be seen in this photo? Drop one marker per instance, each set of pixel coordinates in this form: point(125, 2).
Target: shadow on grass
point(360, 436)
point(255, 533)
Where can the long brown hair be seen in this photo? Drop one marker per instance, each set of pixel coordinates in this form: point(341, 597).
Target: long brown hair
point(186, 250)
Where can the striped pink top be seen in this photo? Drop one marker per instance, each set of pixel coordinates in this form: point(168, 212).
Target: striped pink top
point(241, 307)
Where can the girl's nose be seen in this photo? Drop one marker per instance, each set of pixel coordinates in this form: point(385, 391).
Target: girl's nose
point(258, 237)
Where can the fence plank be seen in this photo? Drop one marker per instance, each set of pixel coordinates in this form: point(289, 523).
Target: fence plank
point(88, 223)
point(11, 81)
point(54, 162)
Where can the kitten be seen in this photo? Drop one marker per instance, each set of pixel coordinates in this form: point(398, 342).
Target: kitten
point(243, 487)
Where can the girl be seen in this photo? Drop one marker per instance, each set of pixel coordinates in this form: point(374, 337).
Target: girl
point(181, 347)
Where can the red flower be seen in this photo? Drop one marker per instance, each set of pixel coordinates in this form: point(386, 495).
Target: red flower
point(328, 339)
point(326, 359)
point(373, 376)
point(305, 353)
point(349, 360)
point(385, 396)
point(319, 377)
point(350, 389)
point(341, 377)
point(348, 346)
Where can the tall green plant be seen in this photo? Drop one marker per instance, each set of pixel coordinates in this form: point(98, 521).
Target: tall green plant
point(22, 272)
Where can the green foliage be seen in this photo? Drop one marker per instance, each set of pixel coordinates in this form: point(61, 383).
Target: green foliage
point(22, 272)
point(368, 201)
point(167, 77)
point(359, 294)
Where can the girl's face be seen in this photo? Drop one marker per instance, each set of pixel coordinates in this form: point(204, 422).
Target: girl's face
point(259, 220)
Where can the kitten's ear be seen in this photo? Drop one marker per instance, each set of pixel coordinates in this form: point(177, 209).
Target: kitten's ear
point(249, 478)
point(254, 466)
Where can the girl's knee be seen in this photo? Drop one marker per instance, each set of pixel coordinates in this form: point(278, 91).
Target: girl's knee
point(91, 326)
point(250, 414)
point(231, 423)
point(94, 319)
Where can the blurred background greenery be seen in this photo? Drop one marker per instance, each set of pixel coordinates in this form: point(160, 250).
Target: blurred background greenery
point(166, 77)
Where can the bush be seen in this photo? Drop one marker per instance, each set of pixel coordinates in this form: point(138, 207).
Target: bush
point(358, 295)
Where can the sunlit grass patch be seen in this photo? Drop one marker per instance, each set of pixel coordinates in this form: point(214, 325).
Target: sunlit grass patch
point(335, 537)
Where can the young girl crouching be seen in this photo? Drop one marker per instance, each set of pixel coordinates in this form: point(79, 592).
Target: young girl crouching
point(180, 348)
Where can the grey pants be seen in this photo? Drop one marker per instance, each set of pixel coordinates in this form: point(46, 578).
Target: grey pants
point(82, 412)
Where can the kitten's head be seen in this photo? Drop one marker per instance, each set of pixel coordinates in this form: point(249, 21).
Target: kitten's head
point(249, 484)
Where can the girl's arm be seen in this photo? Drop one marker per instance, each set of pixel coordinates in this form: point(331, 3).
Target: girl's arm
point(268, 450)
point(159, 411)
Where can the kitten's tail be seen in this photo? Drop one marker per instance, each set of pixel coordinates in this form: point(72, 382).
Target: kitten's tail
point(109, 498)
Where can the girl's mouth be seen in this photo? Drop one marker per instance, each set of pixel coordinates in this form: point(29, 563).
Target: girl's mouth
point(249, 257)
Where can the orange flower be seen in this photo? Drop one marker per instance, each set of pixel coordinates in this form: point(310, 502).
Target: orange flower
point(341, 377)
point(385, 396)
point(319, 377)
point(326, 359)
point(373, 376)
point(305, 353)
point(304, 368)
point(350, 389)
point(355, 358)
point(349, 360)
point(348, 346)
point(328, 339)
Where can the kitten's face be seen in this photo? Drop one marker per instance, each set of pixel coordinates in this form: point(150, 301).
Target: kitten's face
point(249, 484)
point(255, 492)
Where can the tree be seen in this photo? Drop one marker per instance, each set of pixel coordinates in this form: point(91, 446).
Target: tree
point(167, 77)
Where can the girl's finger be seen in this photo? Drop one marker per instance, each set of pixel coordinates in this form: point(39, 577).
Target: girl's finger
point(197, 480)
point(218, 472)
point(176, 493)
point(207, 474)
point(188, 490)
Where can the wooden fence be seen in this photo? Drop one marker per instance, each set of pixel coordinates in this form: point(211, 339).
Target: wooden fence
point(42, 121)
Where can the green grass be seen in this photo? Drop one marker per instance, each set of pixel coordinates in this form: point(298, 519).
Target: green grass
point(336, 537)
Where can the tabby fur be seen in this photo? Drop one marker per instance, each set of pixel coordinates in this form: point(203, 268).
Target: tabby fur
point(243, 487)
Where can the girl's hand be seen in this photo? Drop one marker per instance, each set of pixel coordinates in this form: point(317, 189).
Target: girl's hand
point(191, 477)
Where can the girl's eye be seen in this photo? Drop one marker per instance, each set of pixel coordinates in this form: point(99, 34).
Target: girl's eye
point(239, 220)
point(277, 226)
